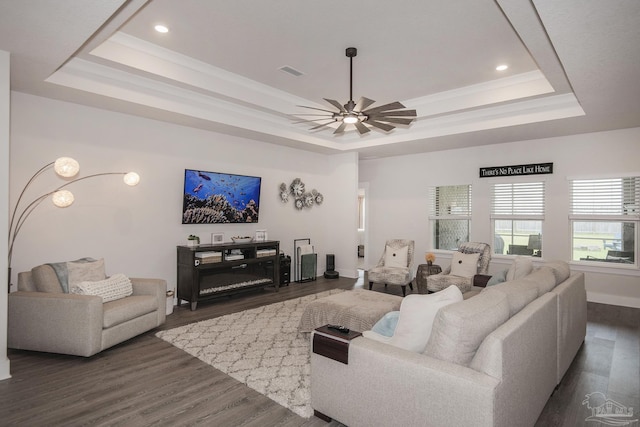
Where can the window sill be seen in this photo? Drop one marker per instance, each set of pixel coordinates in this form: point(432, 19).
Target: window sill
point(605, 268)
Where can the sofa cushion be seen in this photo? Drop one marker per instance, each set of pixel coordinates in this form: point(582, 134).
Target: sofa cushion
point(460, 328)
point(519, 293)
point(85, 270)
point(110, 289)
point(520, 267)
point(396, 258)
point(464, 265)
point(416, 318)
point(45, 279)
point(544, 278)
point(560, 269)
point(124, 309)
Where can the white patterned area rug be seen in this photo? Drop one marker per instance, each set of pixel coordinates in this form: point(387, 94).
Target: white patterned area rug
point(261, 348)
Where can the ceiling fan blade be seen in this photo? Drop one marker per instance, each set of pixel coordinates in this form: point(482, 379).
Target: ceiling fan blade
point(363, 103)
point(314, 108)
point(312, 120)
point(404, 113)
point(391, 106)
point(336, 104)
point(361, 128)
point(398, 120)
point(340, 128)
point(380, 125)
point(313, 114)
point(322, 125)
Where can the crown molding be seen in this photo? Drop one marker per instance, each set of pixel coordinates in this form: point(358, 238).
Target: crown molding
point(135, 71)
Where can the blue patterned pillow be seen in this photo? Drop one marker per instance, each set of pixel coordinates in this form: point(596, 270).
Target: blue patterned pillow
point(387, 325)
point(498, 278)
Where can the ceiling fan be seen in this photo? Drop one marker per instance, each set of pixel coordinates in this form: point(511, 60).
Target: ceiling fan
point(355, 113)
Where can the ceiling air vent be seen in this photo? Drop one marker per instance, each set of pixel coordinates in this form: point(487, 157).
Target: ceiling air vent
point(291, 70)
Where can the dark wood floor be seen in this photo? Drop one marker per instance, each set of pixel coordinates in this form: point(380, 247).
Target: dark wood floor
point(147, 382)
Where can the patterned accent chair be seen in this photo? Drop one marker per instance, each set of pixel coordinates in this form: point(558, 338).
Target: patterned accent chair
point(443, 280)
point(390, 274)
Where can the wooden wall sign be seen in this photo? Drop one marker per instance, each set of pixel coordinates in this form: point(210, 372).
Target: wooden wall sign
point(517, 170)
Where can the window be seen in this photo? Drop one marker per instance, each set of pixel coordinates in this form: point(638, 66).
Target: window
point(517, 214)
point(604, 219)
point(450, 215)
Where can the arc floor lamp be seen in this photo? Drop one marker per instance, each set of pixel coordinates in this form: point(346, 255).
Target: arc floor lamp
point(64, 167)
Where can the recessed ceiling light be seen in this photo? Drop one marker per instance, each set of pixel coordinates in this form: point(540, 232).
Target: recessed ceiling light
point(161, 28)
point(502, 67)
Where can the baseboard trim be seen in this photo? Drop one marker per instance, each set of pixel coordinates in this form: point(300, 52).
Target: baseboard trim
point(5, 371)
point(322, 416)
point(613, 299)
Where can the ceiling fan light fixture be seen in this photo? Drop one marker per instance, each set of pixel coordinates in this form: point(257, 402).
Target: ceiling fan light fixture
point(350, 119)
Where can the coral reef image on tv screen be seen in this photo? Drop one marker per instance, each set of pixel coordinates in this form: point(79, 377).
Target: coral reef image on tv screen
point(218, 198)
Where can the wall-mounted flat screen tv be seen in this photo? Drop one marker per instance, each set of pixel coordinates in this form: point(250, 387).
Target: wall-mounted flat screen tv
point(219, 198)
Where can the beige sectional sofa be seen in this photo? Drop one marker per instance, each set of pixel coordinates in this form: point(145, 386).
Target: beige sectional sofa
point(491, 360)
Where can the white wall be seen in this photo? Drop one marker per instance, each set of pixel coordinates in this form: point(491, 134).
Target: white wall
point(136, 229)
point(4, 205)
point(398, 196)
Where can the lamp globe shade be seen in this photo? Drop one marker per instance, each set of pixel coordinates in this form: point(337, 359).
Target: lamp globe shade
point(131, 179)
point(66, 167)
point(62, 198)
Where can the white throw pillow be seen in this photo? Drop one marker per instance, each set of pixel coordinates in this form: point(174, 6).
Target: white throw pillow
point(110, 289)
point(417, 313)
point(464, 265)
point(396, 257)
point(520, 267)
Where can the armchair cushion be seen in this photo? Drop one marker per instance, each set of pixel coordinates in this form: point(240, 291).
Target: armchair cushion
point(46, 279)
point(85, 270)
point(464, 265)
point(396, 257)
point(390, 275)
point(122, 310)
point(110, 289)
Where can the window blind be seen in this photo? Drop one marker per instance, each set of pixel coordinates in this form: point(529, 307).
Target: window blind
point(518, 200)
point(451, 201)
point(613, 198)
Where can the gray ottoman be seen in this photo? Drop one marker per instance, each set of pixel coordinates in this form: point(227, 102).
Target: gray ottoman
point(358, 310)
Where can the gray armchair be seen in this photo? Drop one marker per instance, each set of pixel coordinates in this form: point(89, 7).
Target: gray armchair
point(393, 274)
point(81, 325)
point(443, 280)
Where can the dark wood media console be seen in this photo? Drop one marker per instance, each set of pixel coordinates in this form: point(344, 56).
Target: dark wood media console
point(208, 271)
